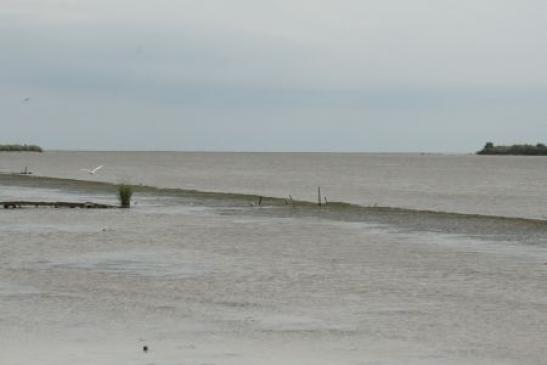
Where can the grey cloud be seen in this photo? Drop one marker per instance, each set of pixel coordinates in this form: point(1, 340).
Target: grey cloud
point(338, 75)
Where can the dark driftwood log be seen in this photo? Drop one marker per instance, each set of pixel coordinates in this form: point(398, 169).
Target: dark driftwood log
point(89, 205)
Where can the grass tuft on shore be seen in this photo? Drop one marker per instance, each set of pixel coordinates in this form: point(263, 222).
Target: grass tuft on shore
point(124, 194)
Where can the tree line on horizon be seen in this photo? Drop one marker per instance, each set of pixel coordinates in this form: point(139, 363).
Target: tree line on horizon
point(517, 149)
point(20, 148)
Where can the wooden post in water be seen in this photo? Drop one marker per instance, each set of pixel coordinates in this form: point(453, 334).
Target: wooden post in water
point(259, 201)
point(292, 202)
point(319, 195)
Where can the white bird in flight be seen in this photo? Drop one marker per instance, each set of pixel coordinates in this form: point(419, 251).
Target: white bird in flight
point(92, 172)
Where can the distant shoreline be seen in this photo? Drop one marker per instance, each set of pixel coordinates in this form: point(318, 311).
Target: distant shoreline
point(515, 150)
point(20, 148)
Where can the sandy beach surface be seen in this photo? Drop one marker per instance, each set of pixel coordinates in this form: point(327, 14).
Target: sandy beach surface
point(210, 284)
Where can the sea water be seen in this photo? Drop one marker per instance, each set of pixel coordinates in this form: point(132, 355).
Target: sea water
point(205, 282)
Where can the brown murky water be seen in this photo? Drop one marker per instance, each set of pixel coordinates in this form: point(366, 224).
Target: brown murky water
point(206, 282)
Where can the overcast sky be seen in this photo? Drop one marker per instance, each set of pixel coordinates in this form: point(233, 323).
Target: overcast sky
point(277, 75)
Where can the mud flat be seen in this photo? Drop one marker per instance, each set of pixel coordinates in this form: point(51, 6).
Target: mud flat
point(201, 280)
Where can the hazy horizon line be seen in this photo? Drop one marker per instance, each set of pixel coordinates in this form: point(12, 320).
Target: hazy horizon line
point(261, 151)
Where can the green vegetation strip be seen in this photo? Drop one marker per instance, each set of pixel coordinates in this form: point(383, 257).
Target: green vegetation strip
point(20, 148)
point(517, 149)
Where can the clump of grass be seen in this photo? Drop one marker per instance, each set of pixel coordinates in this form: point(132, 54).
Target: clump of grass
point(124, 194)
